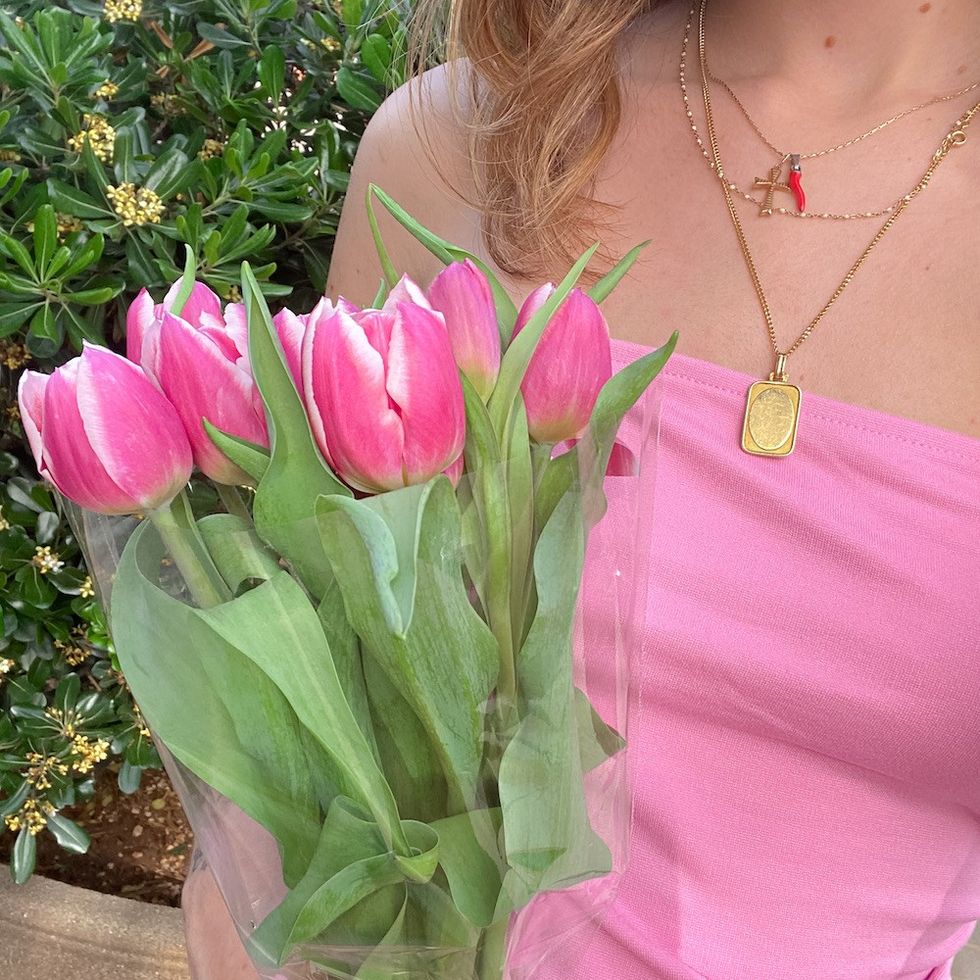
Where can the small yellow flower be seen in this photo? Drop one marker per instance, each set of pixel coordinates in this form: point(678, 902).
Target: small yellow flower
point(6, 666)
point(98, 133)
point(68, 223)
point(13, 355)
point(107, 90)
point(29, 816)
point(338, 6)
point(167, 102)
point(234, 294)
point(38, 775)
point(211, 149)
point(4, 526)
point(86, 591)
point(136, 206)
point(116, 10)
point(73, 653)
point(331, 44)
point(88, 752)
point(10, 156)
point(46, 560)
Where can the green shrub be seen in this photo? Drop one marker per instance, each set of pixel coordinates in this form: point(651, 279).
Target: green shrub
point(127, 130)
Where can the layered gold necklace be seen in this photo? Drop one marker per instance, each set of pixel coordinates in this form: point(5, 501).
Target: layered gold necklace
point(772, 410)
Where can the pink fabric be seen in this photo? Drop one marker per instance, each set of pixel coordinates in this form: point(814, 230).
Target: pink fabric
point(806, 759)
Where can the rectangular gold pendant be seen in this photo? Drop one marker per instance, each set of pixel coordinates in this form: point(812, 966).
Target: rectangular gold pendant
point(772, 414)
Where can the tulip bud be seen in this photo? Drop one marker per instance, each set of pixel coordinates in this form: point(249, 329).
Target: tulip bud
point(112, 442)
point(570, 365)
point(199, 360)
point(462, 294)
point(383, 394)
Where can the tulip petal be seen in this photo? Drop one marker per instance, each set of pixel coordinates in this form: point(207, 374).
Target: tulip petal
point(348, 403)
point(291, 328)
point(30, 396)
point(139, 318)
point(423, 381)
point(202, 383)
point(462, 294)
point(405, 291)
point(203, 306)
point(571, 363)
point(132, 428)
point(73, 466)
point(236, 325)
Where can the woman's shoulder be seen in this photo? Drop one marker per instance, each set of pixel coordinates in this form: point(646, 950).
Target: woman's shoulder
point(416, 149)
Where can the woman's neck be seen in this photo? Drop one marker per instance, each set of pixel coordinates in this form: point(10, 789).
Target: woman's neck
point(881, 51)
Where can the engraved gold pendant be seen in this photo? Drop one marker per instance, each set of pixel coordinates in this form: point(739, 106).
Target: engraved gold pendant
point(772, 414)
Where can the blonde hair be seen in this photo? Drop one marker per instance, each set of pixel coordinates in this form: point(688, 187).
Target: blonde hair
point(541, 104)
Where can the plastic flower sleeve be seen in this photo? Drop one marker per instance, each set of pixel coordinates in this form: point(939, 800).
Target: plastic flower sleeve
point(368, 802)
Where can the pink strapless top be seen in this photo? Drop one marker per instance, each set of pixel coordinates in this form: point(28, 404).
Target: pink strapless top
point(806, 758)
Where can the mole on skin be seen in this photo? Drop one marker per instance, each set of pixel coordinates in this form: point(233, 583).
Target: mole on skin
point(925, 8)
point(830, 42)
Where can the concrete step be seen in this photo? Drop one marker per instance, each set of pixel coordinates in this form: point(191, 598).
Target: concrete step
point(49, 930)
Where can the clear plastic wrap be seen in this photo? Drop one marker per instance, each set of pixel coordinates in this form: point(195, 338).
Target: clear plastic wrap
point(508, 823)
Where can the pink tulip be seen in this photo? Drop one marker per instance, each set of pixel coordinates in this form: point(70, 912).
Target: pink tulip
point(104, 435)
point(571, 363)
point(383, 392)
point(291, 328)
point(462, 294)
point(199, 360)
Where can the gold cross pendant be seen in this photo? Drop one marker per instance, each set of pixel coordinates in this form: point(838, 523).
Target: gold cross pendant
point(773, 183)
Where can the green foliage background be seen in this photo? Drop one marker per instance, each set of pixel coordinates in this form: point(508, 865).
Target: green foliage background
point(126, 130)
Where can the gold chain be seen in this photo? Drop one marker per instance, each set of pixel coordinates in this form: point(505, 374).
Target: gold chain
point(732, 186)
point(840, 146)
point(955, 137)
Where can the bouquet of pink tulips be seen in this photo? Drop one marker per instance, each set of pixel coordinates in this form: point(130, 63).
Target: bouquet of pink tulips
point(370, 659)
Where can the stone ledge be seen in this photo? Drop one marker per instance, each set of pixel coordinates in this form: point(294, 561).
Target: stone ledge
point(49, 929)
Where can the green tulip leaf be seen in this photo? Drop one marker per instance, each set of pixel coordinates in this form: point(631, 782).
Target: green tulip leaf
point(247, 456)
point(398, 563)
point(549, 840)
point(217, 712)
point(276, 627)
point(296, 473)
point(238, 552)
point(601, 290)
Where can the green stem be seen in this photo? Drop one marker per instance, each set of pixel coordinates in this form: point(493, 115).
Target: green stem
point(234, 503)
point(183, 540)
point(492, 956)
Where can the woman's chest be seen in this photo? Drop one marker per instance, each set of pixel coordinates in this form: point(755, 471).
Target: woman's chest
point(842, 622)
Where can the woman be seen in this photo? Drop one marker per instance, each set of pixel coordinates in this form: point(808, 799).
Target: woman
point(808, 772)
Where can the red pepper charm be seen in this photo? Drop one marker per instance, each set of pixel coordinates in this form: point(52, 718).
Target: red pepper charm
point(796, 181)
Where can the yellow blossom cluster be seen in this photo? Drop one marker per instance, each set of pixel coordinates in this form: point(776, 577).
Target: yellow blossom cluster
point(67, 223)
point(234, 294)
point(116, 10)
point(41, 768)
point(88, 752)
point(98, 133)
point(211, 149)
point(73, 653)
point(331, 44)
point(87, 591)
point(107, 90)
point(31, 815)
point(167, 102)
point(9, 156)
point(45, 560)
point(136, 206)
point(13, 413)
point(13, 355)
point(4, 526)
point(6, 666)
point(58, 717)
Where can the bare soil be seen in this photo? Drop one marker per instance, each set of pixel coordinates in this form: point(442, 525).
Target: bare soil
point(140, 847)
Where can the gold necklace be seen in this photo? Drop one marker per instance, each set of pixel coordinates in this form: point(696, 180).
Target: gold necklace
point(772, 409)
point(772, 182)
